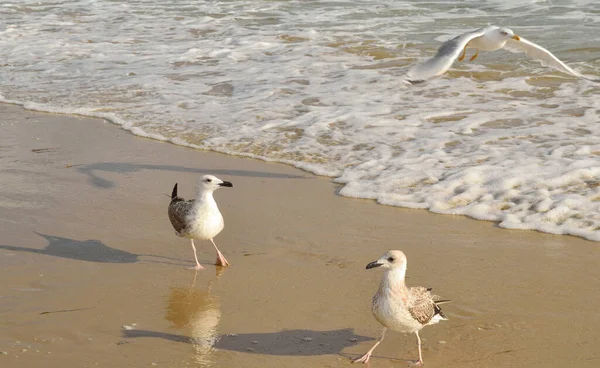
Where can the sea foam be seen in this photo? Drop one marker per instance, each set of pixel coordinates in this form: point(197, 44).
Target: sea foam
point(318, 85)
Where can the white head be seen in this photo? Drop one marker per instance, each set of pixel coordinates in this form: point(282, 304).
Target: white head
point(210, 183)
point(504, 34)
point(393, 260)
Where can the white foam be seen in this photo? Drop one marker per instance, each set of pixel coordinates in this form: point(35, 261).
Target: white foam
point(303, 84)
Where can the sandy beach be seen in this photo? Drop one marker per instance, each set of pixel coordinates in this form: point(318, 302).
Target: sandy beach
point(93, 275)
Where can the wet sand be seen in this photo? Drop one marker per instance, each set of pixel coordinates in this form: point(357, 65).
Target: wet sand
point(93, 275)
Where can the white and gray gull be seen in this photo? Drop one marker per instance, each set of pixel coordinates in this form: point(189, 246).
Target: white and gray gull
point(199, 218)
point(398, 307)
point(490, 38)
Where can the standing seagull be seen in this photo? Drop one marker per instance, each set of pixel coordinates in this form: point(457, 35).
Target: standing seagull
point(490, 38)
point(398, 307)
point(199, 218)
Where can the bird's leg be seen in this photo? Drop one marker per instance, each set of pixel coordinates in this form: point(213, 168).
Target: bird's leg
point(463, 54)
point(221, 261)
point(365, 358)
point(474, 56)
point(420, 361)
point(198, 266)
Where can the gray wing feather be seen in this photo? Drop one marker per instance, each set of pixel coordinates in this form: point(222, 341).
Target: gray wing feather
point(178, 211)
point(544, 56)
point(444, 58)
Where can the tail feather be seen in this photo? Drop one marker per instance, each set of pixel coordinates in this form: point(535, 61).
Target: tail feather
point(174, 193)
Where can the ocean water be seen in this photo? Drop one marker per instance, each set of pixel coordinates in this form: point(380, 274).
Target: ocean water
point(319, 85)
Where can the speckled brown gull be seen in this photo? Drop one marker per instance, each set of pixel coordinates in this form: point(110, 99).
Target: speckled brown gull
point(398, 307)
point(199, 218)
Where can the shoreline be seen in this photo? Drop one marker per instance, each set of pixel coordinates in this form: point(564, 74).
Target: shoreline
point(305, 167)
point(85, 236)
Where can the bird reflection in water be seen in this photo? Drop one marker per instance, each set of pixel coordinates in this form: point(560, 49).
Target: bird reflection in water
point(196, 312)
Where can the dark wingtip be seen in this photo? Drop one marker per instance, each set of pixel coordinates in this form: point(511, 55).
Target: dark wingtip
point(438, 310)
point(442, 314)
point(174, 193)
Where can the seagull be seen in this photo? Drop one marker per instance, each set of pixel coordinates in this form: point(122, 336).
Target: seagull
point(199, 218)
point(398, 307)
point(490, 38)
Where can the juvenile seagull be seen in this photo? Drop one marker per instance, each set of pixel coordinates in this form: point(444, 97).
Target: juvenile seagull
point(199, 218)
point(490, 38)
point(398, 307)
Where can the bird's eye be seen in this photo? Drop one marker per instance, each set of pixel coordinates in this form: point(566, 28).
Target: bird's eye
point(208, 180)
point(504, 33)
point(390, 259)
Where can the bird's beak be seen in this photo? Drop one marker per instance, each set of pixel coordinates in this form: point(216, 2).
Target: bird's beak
point(226, 184)
point(515, 37)
point(373, 265)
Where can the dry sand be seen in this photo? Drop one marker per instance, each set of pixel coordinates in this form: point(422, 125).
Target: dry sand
point(84, 234)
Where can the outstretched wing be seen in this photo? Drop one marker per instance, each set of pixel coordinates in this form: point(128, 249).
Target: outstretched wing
point(444, 58)
point(539, 53)
point(178, 211)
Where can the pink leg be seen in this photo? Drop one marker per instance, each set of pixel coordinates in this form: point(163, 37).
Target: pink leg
point(420, 361)
point(365, 358)
point(198, 266)
point(221, 261)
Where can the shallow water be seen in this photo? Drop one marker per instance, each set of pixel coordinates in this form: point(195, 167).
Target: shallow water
point(319, 85)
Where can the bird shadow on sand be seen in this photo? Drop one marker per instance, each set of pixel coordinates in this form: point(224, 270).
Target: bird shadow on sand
point(286, 342)
point(93, 170)
point(90, 251)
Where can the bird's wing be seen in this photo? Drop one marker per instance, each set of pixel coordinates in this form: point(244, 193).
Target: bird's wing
point(421, 305)
point(444, 58)
point(539, 53)
point(178, 211)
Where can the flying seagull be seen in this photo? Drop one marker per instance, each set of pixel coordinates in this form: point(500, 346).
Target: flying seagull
point(199, 218)
point(490, 38)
